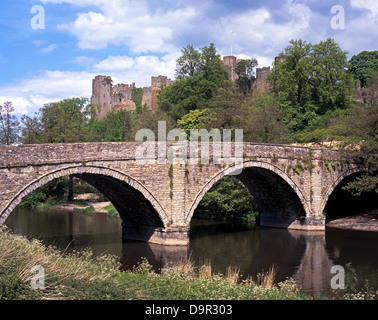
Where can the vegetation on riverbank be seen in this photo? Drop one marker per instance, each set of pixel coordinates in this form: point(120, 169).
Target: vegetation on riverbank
point(81, 276)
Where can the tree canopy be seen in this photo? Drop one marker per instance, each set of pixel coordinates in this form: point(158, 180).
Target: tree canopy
point(313, 80)
point(363, 65)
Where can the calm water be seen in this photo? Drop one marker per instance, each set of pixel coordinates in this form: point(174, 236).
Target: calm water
point(307, 257)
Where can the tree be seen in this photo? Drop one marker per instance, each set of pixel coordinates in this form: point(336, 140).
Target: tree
point(31, 129)
point(312, 81)
point(189, 63)
point(363, 66)
point(331, 83)
point(244, 70)
point(370, 93)
point(360, 131)
point(9, 125)
point(63, 121)
point(262, 121)
point(228, 199)
point(114, 127)
point(200, 74)
point(150, 120)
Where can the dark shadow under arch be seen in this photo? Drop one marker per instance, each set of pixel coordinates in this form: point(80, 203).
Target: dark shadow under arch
point(342, 203)
point(131, 204)
point(278, 204)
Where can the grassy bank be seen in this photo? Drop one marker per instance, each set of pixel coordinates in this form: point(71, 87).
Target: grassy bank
point(82, 276)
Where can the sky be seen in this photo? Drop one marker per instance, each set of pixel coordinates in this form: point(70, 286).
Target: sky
point(52, 49)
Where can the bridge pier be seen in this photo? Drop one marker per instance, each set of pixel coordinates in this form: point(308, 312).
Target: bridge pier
point(169, 236)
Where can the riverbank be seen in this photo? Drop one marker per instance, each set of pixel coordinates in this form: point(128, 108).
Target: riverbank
point(359, 222)
point(80, 276)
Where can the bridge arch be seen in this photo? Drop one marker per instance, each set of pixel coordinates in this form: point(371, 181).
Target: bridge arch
point(121, 185)
point(335, 189)
point(255, 175)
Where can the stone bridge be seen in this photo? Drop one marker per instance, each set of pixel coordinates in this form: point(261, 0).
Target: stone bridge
point(157, 199)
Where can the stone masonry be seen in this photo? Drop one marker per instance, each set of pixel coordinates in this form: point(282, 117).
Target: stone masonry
point(106, 96)
point(156, 200)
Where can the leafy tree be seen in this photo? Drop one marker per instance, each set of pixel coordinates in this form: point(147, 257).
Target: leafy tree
point(63, 121)
point(363, 66)
point(311, 81)
point(150, 120)
point(244, 70)
point(228, 199)
point(331, 84)
point(262, 121)
point(114, 127)
point(189, 63)
point(360, 131)
point(9, 124)
point(370, 93)
point(197, 119)
point(31, 130)
point(200, 74)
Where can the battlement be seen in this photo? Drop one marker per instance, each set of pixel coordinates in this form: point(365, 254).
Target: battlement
point(106, 96)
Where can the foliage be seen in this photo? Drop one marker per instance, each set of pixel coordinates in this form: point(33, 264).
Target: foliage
point(114, 127)
point(312, 80)
point(200, 74)
point(150, 120)
point(263, 121)
point(228, 200)
point(363, 65)
point(244, 70)
point(361, 145)
point(137, 96)
point(58, 122)
point(9, 125)
point(370, 93)
point(50, 193)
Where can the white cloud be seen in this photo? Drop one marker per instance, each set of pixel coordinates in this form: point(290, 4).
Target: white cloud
point(49, 48)
point(130, 23)
point(115, 63)
point(258, 33)
point(370, 5)
point(30, 94)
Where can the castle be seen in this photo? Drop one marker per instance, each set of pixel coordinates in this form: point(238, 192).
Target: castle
point(106, 96)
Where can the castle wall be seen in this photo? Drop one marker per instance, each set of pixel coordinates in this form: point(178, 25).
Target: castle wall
point(106, 97)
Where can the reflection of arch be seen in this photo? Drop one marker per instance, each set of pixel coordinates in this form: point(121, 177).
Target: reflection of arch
point(98, 174)
point(258, 165)
point(336, 183)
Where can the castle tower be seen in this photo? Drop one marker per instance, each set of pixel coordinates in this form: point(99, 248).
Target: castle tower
point(157, 83)
point(229, 63)
point(261, 83)
point(102, 95)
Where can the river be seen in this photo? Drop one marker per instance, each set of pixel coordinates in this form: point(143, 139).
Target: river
point(306, 257)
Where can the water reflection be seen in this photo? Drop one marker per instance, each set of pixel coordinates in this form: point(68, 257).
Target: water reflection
point(307, 257)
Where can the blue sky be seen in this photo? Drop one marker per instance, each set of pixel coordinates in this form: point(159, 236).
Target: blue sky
point(132, 40)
